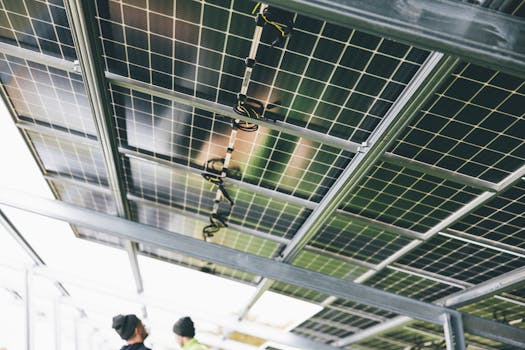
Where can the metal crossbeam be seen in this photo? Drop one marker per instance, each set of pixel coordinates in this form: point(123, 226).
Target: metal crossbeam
point(507, 281)
point(247, 262)
point(84, 33)
point(439, 172)
point(473, 33)
point(239, 260)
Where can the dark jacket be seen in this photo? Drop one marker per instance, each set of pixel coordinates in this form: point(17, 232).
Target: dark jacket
point(136, 346)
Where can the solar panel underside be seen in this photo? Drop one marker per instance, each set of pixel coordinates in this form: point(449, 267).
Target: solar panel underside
point(37, 25)
point(325, 78)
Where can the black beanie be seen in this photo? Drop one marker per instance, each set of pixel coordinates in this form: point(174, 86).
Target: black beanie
point(184, 327)
point(125, 325)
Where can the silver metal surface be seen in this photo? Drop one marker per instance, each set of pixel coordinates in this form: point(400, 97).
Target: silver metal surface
point(475, 34)
point(439, 172)
point(453, 329)
point(199, 249)
point(83, 30)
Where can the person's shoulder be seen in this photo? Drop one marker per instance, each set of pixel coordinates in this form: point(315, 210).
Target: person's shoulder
point(144, 347)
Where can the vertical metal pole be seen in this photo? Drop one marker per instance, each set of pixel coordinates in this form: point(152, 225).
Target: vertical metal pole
point(77, 333)
point(453, 329)
point(57, 324)
point(28, 311)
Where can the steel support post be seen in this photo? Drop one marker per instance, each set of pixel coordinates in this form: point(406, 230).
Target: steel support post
point(453, 330)
point(28, 311)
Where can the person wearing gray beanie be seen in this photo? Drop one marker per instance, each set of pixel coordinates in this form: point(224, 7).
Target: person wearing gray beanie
point(130, 329)
point(185, 333)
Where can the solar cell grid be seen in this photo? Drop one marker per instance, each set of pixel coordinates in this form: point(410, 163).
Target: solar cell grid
point(459, 260)
point(498, 310)
point(351, 305)
point(185, 48)
point(335, 323)
point(410, 285)
point(473, 125)
point(298, 292)
point(43, 94)
point(192, 136)
point(37, 25)
point(330, 266)
point(342, 236)
point(192, 193)
point(499, 220)
point(407, 198)
point(172, 221)
point(76, 195)
point(76, 160)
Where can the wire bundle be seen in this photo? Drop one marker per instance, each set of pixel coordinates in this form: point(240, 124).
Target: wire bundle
point(215, 170)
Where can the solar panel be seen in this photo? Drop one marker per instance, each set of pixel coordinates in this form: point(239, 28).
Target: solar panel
point(325, 78)
point(407, 198)
point(38, 26)
point(192, 136)
point(500, 310)
point(499, 220)
point(459, 260)
point(192, 193)
point(177, 222)
point(48, 96)
point(348, 238)
point(473, 125)
point(76, 160)
point(411, 286)
point(86, 198)
point(298, 292)
point(327, 265)
point(331, 324)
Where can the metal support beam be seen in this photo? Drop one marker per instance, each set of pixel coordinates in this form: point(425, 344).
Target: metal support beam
point(510, 280)
point(453, 329)
point(439, 172)
point(483, 242)
point(227, 111)
point(473, 33)
point(485, 328)
point(34, 56)
point(19, 238)
point(239, 260)
point(28, 311)
point(84, 31)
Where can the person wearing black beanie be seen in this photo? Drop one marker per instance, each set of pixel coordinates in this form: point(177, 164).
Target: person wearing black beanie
point(130, 329)
point(185, 332)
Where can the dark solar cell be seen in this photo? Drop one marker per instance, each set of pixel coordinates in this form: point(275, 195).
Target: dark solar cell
point(411, 286)
point(474, 126)
point(351, 239)
point(42, 27)
point(48, 95)
point(501, 219)
point(460, 260)
point(424, 201)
